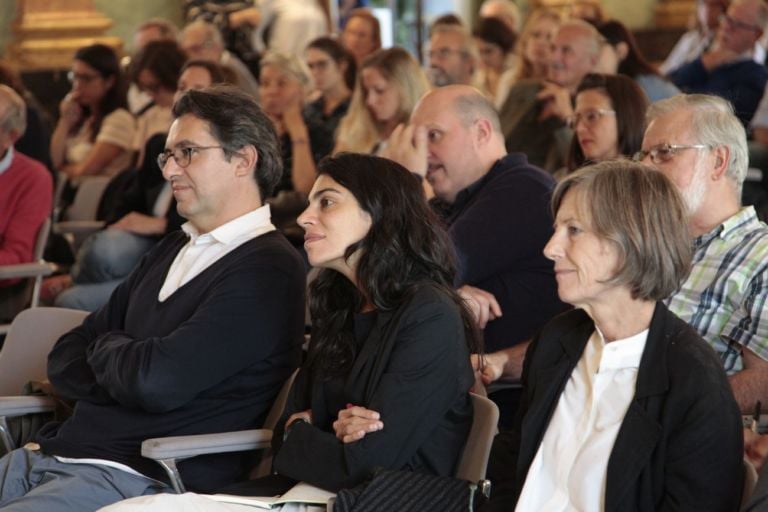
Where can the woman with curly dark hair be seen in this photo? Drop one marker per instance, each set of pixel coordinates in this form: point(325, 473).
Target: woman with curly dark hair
point(387, 376)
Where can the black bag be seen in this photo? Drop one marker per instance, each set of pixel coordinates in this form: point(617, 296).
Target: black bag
point(407, 491)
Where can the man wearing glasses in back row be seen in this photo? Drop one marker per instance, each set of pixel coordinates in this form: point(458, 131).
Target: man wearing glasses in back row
point(698, 143)
point(728, 69)
point(198, 339)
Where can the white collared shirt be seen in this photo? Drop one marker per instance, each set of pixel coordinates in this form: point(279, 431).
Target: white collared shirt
point(203, 250)
point(5, 162)
point(569, 470)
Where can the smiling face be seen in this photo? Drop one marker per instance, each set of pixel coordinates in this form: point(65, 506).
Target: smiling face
point(381, 95)
point(332, 222)
point(597, 130)
point(572, 56)
point(583, 261)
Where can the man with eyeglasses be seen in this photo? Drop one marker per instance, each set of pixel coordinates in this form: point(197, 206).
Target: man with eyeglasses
point(728, 69)
point(451, 56)
point(702, 147)
point(535, 114)
point(199, 338)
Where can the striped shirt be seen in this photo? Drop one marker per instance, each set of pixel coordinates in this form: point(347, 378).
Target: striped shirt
point(724, 297)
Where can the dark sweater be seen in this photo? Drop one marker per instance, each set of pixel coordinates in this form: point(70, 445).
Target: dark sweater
point(499, 226)
point(210, 358)
point(742, 83)
point(413, 368)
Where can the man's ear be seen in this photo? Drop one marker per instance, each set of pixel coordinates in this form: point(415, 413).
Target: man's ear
point(247, 158)
point(722, 159)
point(483, 131)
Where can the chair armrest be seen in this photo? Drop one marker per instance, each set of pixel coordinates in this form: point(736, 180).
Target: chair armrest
point(78, 226)
point(179, 447)
point(26, 270)
point(20, 405)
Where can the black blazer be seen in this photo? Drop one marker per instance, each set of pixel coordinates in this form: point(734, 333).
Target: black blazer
point(680, 445)
point(413, 368)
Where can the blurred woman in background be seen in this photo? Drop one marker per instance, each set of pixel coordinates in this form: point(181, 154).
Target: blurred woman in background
point(95, 130)
point(608, 120)
point(389, 84)
point(621, 55)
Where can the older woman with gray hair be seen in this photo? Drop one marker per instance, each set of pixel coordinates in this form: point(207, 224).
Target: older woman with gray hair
point(624, 407)
point(284, 82)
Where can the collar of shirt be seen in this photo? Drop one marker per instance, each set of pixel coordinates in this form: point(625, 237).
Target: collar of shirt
point(258, 220)
point(5, 162)
point(616, 355)
point(728, 228)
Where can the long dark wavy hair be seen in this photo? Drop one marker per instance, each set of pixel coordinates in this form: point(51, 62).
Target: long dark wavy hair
point(104, 60)
point(405, 248)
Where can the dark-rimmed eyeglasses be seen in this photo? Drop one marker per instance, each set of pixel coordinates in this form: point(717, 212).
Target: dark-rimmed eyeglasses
point(589, 117)
point(663, 153)
point(182, 156)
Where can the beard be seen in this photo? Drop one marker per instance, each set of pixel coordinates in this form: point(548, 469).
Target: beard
point(694, 193)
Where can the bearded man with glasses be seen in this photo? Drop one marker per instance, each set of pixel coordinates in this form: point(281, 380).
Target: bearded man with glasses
point(728, 69)
point(702, 147)
point(199, 338)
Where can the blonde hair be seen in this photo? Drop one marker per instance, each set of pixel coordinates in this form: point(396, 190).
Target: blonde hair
point(359, 131)
point(526, 67)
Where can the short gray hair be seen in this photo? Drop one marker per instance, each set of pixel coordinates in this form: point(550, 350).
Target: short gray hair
point(640, 211)
point(15, 115)
point(475, 105)
point(289, 64)
point(713, 123)
point(594, 37)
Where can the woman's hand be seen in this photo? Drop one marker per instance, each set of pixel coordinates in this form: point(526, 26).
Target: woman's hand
point(70, 110)
point(355, 422)
point(294, 122)
point(755, 448)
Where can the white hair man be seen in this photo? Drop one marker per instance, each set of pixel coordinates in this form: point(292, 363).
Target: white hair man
point(698, 142)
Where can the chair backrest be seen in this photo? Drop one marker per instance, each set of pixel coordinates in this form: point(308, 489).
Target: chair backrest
point(279, 404)
point(40, 242)
point(31, 337)
point(87, 198)
point(265, 465)
point(474, 457)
